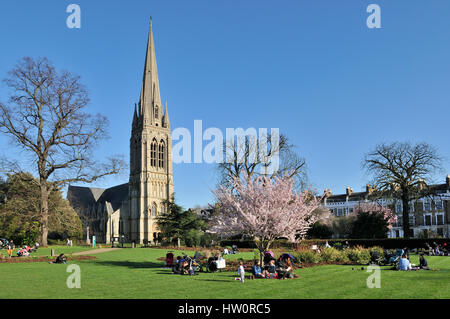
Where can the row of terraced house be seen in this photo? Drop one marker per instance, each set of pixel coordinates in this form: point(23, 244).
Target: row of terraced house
point(429, 216)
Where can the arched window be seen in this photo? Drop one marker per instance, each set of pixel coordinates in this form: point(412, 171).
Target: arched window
point(161, 153)
point(156, 111)
point(153, 153)
point(153, 210)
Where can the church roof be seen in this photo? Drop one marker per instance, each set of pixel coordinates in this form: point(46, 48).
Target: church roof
point(80, 196)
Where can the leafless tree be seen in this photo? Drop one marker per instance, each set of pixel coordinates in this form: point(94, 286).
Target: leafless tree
point(244, 156)
point(402, 171)
point(45, 119)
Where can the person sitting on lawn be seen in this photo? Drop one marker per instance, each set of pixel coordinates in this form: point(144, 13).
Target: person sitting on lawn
point(271, 269)
point(423, 263)
point(285, 268)
point(256, 270)
point(404, 263)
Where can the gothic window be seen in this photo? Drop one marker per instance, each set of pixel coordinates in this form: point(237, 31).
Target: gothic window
point(156, 111)
point(153, 210)
point(161, 154)
point(153, 153)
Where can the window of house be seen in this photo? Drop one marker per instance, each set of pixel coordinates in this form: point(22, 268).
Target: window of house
point(399, 221)
point(411, 207)
point(439, 205)
point(340, 211)
point(412, 220)
point(427, 220)
point(398, 208)
point(440, 219)
point(426, 206)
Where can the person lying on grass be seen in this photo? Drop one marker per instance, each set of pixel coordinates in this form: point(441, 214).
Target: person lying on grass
point(61, 259)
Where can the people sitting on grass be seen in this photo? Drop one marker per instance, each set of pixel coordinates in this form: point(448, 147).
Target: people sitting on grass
point(423, 263)
point(23, 252)
point(285, 268)
point(257, 272)
point(271, 269)
point(404, 263)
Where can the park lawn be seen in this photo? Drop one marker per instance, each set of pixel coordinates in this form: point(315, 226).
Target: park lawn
point(136, 273)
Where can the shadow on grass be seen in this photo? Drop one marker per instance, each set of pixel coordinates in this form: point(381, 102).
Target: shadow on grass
point(130, 264)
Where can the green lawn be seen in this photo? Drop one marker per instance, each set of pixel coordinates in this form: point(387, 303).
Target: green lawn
point(136, 273)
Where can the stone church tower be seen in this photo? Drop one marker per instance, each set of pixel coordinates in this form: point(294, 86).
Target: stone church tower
point(151, 179)
point(128, 212)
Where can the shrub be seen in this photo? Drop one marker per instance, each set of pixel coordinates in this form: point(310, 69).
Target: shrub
point(308, 256)
point(358, 255)
point(331, 255)
point(376, 253)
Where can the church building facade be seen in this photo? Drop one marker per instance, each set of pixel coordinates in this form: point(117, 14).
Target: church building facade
point(129, 211)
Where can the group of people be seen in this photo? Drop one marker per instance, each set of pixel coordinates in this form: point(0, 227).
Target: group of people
point(405, 264)
point(184, 266)
point(438, 250)
point(22, 252)
point(282, 268)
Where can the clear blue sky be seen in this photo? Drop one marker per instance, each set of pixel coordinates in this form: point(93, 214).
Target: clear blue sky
point(311, 68)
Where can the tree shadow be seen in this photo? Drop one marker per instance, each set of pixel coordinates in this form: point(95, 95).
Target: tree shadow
point(130, 264)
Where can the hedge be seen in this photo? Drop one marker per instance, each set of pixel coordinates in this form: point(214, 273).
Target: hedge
point(388, 243)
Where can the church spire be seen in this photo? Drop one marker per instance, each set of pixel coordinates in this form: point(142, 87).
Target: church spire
point(150, 94)
point(135, 117)
point(166, 122)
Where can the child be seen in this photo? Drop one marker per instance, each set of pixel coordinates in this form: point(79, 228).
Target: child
point(241, 272)
point(10, 251)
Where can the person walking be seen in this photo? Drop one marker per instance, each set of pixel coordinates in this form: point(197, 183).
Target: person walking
point(241, 272)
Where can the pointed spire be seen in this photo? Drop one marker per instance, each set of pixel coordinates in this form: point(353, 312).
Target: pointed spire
point(150, 94)
point(166, 117)
point(135, 116)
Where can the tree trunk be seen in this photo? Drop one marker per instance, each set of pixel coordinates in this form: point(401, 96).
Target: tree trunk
point(44, 213)
point(405, 202)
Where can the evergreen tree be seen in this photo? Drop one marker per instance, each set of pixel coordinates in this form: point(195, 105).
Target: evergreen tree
point(181, 225)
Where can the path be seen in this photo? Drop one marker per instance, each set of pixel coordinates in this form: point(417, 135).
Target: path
point(94, 251)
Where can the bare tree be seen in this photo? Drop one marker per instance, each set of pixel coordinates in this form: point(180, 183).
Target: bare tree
point(44, 118)
point(253, 157)
point(402, 171)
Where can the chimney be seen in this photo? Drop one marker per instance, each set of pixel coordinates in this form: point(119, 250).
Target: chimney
point(349, 191)
point(327, 192)
point(368, 189)
point(447, 180)
point(421, 183)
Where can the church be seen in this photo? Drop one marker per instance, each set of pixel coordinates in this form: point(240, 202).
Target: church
point(129, 211)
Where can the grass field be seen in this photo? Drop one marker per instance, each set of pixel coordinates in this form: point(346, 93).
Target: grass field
point(136, 273)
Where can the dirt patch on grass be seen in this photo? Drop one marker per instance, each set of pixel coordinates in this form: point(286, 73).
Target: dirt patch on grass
point(14, 260)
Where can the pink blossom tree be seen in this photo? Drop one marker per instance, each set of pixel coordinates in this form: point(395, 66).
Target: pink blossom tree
point(265, 209)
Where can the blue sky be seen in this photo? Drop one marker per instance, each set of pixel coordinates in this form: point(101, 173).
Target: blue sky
point(310, 68)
